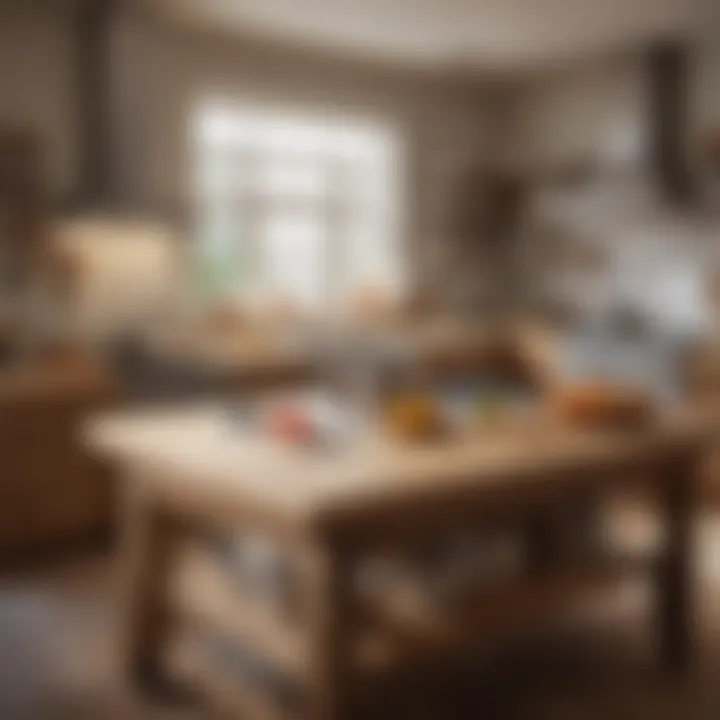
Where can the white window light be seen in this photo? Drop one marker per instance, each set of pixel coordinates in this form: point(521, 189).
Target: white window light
point(306, 207)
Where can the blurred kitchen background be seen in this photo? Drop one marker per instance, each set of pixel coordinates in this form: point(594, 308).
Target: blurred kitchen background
point(190, 189)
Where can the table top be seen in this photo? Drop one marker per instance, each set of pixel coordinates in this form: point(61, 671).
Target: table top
point(196, 457)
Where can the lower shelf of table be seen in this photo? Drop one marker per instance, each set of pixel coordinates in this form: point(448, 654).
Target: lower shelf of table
point(394, 630)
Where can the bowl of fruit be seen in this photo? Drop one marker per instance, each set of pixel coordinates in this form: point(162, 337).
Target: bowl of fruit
point(414, 417)
point(601, 405)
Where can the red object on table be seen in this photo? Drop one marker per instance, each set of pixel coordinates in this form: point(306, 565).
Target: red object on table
point(292, 424)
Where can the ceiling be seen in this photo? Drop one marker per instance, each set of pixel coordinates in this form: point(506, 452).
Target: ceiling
point(504, 34)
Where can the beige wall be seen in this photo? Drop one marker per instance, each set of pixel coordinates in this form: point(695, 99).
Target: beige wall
point(592, 110)
point(162, 73)
point(159, 73)
point(37, 87)
point(596, 109)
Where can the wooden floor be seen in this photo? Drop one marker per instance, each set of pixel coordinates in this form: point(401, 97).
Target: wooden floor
point(58, 629)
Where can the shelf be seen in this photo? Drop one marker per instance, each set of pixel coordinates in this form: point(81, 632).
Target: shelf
point(398, 627)
point(204, 598)
point(408, 631)
point(226, 691)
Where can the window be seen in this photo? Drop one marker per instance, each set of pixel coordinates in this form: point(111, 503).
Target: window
point(297, 207)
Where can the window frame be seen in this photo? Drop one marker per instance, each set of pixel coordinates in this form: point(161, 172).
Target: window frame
point(334, 217)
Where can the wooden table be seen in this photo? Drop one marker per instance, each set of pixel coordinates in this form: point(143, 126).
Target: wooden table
point(188, 471)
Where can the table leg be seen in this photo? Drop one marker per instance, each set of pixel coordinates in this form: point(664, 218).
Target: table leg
point(539, 543)
point(331, 625)
point(150, 541)
point(675, 577)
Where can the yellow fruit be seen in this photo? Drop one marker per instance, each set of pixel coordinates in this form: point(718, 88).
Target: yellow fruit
point(413, 417)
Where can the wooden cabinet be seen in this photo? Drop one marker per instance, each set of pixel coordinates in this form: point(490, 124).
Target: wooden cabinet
point(50, 488)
